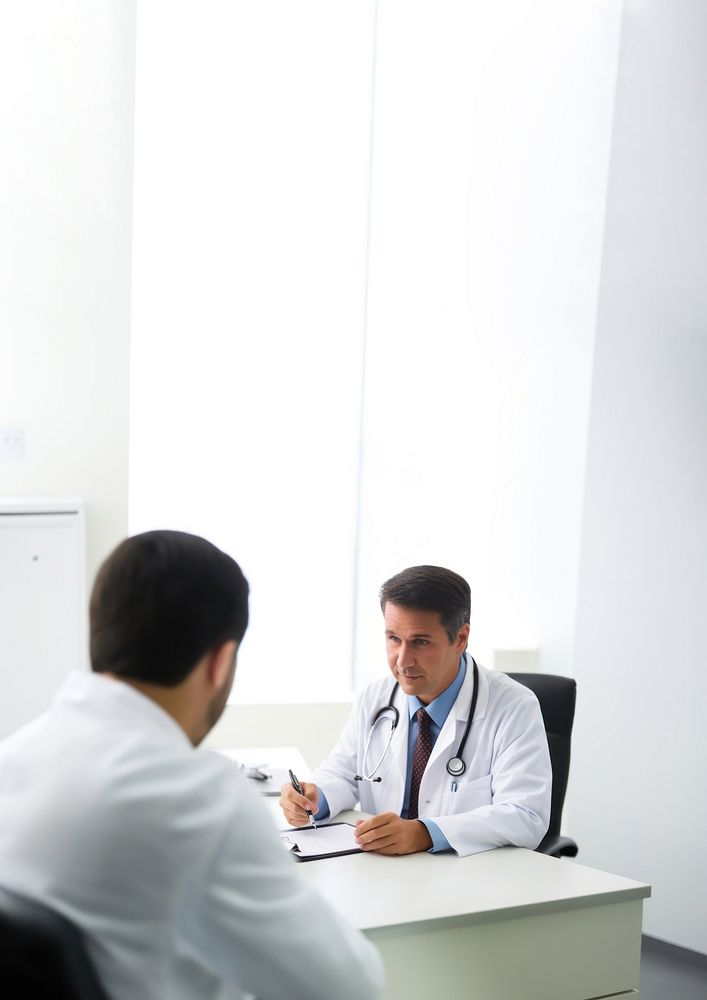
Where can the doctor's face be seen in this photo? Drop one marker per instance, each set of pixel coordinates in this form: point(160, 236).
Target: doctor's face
point(420, 656)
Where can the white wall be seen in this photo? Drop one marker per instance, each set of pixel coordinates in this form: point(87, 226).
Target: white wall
point(66, 106)
point(638, 804)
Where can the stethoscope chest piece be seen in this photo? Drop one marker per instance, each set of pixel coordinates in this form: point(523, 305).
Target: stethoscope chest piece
point(456, 766)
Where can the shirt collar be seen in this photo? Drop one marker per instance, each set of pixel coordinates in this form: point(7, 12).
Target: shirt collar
point(439, 709)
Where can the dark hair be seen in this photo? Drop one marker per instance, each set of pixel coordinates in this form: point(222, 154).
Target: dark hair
point(431, 588)
point(161, 601)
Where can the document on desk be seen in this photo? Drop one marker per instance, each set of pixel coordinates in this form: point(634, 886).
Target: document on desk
point(329, 840)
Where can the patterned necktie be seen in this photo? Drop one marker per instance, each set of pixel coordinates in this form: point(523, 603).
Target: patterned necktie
point(423, 749)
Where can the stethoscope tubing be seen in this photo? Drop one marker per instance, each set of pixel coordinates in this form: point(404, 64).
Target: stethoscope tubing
point(455, 765)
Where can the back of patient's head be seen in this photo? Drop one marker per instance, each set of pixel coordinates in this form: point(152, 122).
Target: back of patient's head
point(161, 601)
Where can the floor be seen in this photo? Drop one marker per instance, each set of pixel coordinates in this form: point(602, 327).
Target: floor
point(671, 973)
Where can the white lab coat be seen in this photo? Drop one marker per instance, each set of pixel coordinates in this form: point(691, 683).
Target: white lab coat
point(502, 798)
point(165, 858)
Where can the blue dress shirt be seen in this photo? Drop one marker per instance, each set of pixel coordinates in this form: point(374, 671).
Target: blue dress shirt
point(438, 710)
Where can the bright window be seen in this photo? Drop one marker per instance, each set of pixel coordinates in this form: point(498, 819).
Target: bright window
point(290, 290)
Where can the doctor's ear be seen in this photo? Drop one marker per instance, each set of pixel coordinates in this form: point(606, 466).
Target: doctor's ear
point(462, 640)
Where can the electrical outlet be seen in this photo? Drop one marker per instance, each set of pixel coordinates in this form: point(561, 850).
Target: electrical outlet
point(12, 444)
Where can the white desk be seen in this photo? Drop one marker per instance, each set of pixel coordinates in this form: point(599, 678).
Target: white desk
point(505, 925)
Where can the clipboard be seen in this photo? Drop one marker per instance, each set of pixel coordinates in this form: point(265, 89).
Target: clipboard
point(294, 839)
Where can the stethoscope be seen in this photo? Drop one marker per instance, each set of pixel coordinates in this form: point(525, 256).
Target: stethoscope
point(455, 765)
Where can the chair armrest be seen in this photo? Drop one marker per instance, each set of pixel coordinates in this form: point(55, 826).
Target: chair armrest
point(557, 847)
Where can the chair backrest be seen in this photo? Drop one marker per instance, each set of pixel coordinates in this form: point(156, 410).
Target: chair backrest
point(42, 953)
point(557, 696)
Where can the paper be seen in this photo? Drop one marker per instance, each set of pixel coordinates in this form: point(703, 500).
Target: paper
point(324, 840)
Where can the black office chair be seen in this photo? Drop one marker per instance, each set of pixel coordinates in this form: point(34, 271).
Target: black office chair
point(42, 954)
point(557, 697)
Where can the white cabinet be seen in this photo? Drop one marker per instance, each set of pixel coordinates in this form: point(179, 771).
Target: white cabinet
point(42, 603)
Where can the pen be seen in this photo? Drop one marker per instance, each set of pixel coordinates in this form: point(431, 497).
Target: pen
point(256, 774)
point(298, 788)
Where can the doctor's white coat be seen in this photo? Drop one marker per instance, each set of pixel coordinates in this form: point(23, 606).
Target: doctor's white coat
point(502, 798)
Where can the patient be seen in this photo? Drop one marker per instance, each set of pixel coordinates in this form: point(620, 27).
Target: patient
point(158, 851)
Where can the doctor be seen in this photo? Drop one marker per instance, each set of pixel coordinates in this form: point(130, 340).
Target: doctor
point(447, 755)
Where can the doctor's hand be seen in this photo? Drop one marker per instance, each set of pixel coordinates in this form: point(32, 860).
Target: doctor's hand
point(387, 833)
point(295, 805)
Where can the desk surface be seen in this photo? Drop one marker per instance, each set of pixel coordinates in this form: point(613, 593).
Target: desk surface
point(374, 891)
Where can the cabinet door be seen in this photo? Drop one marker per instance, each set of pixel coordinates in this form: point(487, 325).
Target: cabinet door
point(42, 617)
